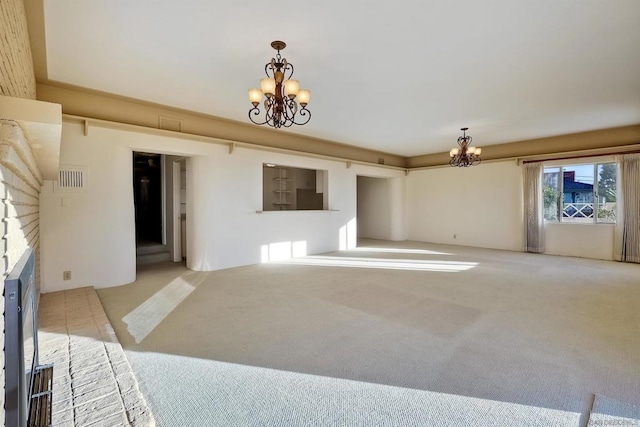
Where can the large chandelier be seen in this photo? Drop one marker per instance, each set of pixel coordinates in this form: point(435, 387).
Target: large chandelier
point(466, 155)
point(282, 94)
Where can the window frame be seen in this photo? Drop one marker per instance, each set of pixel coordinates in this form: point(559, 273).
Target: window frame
point(560, 188)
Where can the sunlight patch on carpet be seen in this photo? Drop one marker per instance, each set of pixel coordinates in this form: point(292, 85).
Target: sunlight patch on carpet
point(391, 264)
point(398, 251)
point(148, 315)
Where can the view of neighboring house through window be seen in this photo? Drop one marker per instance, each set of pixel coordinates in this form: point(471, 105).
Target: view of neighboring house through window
point(581, 193)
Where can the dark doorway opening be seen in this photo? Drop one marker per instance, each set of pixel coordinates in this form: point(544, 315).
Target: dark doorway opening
point(147, 197)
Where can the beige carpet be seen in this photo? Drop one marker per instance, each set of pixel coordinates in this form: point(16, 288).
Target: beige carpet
point(389, 334)
point(611, 412)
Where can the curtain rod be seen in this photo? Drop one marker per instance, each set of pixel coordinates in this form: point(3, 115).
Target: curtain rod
point(581, 156)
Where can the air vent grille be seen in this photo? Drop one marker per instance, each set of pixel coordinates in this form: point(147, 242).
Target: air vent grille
point(72, 178)
point(168, 123)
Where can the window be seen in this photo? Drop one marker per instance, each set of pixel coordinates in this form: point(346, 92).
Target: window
point(580, 193)
point(288, 188)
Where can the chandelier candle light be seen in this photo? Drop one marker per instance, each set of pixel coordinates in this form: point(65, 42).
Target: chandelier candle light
point(283, 95)
point(466, 155)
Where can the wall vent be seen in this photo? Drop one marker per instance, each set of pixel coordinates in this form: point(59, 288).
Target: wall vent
point(167, 123)
point(72, 179)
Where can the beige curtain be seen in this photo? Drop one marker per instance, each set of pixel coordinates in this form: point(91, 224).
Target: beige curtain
point(533, 208)
point(627, 241)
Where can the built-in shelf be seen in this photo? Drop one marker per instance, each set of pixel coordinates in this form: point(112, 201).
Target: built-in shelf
point(282, 189)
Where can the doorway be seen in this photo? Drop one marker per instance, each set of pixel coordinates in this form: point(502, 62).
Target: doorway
point(147, 198)
point(380, 211)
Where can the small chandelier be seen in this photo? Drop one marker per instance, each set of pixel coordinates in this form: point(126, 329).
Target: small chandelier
point(281, 93)
point(466, 155)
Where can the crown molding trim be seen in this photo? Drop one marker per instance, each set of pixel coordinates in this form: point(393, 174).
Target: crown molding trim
point(92, 104)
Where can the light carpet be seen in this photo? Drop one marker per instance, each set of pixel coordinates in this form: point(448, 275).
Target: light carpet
point(611, 412)
point(394, 333)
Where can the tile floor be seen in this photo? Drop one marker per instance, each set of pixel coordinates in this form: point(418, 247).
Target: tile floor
point(93, 384)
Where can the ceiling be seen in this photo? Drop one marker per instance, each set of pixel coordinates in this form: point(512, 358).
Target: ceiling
point(399, 77)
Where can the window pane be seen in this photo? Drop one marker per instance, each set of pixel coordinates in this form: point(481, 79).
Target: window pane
point(577, 194)
point(607, 193)
point(550, 181)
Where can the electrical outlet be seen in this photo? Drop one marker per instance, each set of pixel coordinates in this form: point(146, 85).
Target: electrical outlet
point(454, 236)
point(66, 275)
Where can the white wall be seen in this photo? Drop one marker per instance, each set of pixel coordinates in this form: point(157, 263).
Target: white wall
point(91, 234)
point(480, 205)
point(94, 235)
point(381, 213)
point(581, 240)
